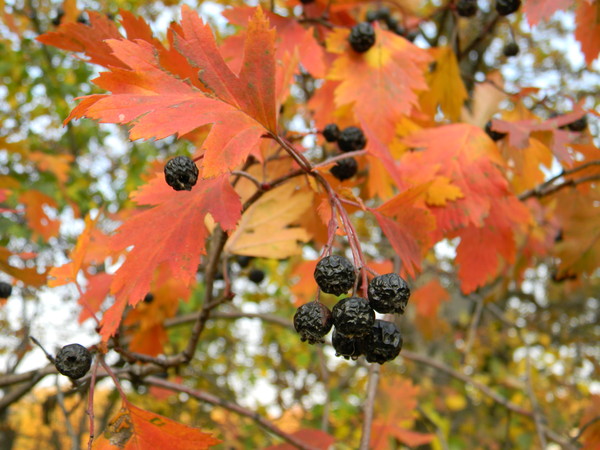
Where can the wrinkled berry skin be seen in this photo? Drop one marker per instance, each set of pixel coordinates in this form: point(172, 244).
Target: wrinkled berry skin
point(578, 125)
point(312, 321)
point(383, 343)
point(73, 361)
point(495, 135)
point(335, 275)
point(348, 347)
point(181, 173)
point(5, 289)
point(510, 49)
point(506, 7)
point(362, 37)
point(388, 293)
point(331, 132)
point(344, 169)
point(466, 8)
point(351, 138)
point(353, 316)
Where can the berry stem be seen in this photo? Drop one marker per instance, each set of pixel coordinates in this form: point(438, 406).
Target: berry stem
point(111, 374)
point(90, 407)
point(372, 384)
point(339, 157)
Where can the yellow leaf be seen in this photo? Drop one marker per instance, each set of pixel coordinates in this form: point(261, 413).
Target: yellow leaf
point(441, 191)
point(487, 97)
point(265, 229)
point(455, 402)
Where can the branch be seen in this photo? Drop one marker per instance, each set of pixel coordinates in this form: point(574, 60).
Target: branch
point(232, 315)
point(548, 187)
point(537, 416)
point(230, 406)
point(583, 428)
point(365, 439)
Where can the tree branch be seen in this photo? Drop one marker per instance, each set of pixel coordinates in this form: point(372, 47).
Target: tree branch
point(373, 382)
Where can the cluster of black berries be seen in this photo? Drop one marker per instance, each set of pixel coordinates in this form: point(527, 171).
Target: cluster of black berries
point(5, 289)
point(348, 140)
point(356, 331)
point(255, 275)
point(73, 361)
point(181, 173)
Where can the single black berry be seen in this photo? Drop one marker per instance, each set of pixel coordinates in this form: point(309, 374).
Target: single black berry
point(243, 260)
point(256, 276)
point(384, 13)
point(372, 16)
point(351, 138)
point(335, 275)
point(353, 316)
point(73, 361)
point(331, 132)
point(506, 7)
point(348, 347)
point(312, 321)
point(362, 37)
point(306, 2)
point(383, 343)
point(81, 18)
point(388, 293)
point(511, 49)
point(181, 173)
point(466, 8)
point(5, 289)
point(344, 169)
point(495, 135)
point(578, 125)
point(149, 297)
point(58, 18)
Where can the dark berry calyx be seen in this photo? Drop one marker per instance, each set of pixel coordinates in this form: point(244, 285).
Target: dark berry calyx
point(256, 276)
point(578, 125)
point(348, 347)
point(344, 168)
point(312, 321)
point(495, 135)
point(331, 132)
point(510, 49)
point(353, 316)
point(388, 293)
point(181, 173)
point(362, 37)
point(383, 343)
point(351, 138)
point(5, 289)
point(335, 275)
point(466, 8)
point(73, 361)
point(506, 7)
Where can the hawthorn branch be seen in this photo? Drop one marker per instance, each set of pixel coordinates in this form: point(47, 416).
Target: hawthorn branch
point(548, 187)
point(583, 428)
point(537, 416)
point(230, 406)
point(373, 382)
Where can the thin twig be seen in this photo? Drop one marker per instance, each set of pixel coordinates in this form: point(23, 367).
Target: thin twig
point(60, 399)
point(230, 406)
point(472, 330)
point(373, 382)
point(90, 407)
point(537, 418)
point(583, 428)
point(553, 189)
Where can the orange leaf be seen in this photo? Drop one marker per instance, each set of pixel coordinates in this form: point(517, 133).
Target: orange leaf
point(172, 232)
point(36, 216)
point(591, 435)
point(538, 10)
point(59, 165)
point(133, 428)
point(316, 439)
point(380, 82)
point(97, 290)
point(428, 298)
point(27, 275)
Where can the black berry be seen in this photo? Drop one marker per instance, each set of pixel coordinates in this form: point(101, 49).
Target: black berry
point(351, 138)
point(383, 343)
point(312, 321)
point(578, 125)
point(495, 135)
point(388, 293)
point(372, 16)
point(181, 173)
point(511, 49)
point(331, 132)
point(256, 276)
point(466, 8)
point(306, 2)
point(243, 260)
point(353, 316)
point(58, 18)
point(506, 7)
point(335, 275)
point(348, 347)
point(5, 289)
point(384, 13)
point(344, 169)
point(73, 361)
point(149, 297)
point(362, 37)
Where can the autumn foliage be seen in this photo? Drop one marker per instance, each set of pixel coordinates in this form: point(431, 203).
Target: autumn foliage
point(479, 187)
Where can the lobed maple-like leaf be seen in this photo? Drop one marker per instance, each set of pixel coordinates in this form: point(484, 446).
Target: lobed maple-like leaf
point(428, 298)
point(27, 275)
point(172, 233)
point(133, 428)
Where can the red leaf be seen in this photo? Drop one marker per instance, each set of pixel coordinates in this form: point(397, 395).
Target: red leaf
point(428, 298)
point(35, 214)
point(133, 428)
point(96, 292)
point(588, 29)
point(316, 439)
point(538, 10)
point(171, 233)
